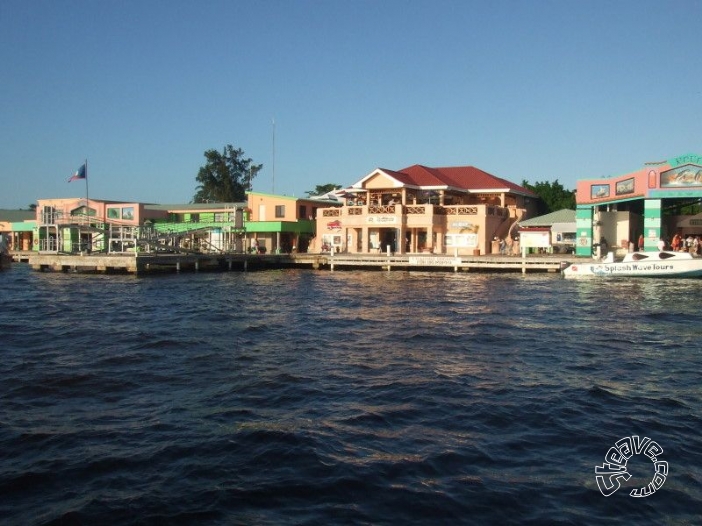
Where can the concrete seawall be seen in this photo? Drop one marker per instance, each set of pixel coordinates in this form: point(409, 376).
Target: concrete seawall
point(144, 263)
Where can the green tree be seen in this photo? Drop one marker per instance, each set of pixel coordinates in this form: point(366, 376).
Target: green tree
point(226, 176)
point(553, 196)
point(323, 189)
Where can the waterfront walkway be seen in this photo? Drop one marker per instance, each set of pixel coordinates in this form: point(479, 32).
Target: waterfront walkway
point(145, 263)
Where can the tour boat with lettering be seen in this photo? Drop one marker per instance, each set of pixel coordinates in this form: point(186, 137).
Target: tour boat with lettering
point(665, 264)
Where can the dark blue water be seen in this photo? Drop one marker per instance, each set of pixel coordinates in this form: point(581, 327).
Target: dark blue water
point(304, 397)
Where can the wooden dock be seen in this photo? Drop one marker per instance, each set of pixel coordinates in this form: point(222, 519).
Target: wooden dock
point(148, 263)
point(446, 262)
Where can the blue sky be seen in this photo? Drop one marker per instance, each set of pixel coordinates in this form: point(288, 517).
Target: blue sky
point(537, 90)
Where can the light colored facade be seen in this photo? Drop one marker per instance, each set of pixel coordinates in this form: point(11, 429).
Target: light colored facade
point(553, 233)
point(201, 227)
point(16, 227)
point(270, 223)
point(617, 210)
point(455, 210)
point(76, 225)
point(79, 224)
point(281, 224)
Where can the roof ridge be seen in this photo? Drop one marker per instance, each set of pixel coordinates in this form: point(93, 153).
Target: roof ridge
point(466, 177)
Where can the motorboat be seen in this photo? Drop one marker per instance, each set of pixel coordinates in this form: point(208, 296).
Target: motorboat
point(664, 264)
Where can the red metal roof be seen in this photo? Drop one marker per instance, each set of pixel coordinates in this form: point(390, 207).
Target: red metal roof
point(461, 177)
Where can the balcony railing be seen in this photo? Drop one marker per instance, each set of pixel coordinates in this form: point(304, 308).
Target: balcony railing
point(381, 209)
point(450, 210)
point(60, 218)
point(461, 210)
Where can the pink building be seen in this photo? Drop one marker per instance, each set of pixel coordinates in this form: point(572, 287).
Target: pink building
point(74, 224)
point(420, 209)
point(654, 202)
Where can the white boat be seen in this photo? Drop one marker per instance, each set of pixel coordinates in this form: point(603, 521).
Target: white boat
point(663, 264)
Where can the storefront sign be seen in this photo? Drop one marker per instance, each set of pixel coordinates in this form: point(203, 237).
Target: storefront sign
point(381, 220)
point(461, 240)
point(686, 175)
point(534, 239)
point(686, 159)
point(434, 261)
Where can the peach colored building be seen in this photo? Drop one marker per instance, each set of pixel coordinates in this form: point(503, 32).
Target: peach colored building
point(279, 223)
point(420, 209)
point(16, 227)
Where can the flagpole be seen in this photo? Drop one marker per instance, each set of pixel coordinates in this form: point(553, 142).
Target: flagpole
point(87, 200)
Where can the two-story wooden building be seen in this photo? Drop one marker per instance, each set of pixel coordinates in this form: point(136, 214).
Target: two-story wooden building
point(420, 209)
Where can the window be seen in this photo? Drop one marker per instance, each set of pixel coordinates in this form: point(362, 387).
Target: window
point(280, 211)
point(303, 212)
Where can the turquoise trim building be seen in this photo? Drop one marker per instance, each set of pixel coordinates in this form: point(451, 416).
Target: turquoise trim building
point(648, 201)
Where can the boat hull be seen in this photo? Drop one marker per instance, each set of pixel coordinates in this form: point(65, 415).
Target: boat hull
point(656, 265)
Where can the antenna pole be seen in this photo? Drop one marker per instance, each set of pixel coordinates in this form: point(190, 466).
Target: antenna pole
point(273, 191)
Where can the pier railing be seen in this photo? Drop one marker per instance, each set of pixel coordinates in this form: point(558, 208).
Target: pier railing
point(151, 262)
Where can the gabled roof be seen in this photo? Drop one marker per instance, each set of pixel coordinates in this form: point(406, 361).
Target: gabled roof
point(400, 178)
point(467, 178)
point(564, 215)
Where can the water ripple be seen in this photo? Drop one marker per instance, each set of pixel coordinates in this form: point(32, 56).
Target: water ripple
point(301, 397)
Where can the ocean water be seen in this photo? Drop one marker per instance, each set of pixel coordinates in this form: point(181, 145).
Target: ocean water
point(316, 397)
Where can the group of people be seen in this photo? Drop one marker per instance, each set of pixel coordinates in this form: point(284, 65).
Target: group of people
point(680, 243)
point(691, 244)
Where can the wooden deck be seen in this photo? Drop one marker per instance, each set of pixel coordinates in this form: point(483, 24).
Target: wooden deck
point(145, 263)
point(445, 262)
